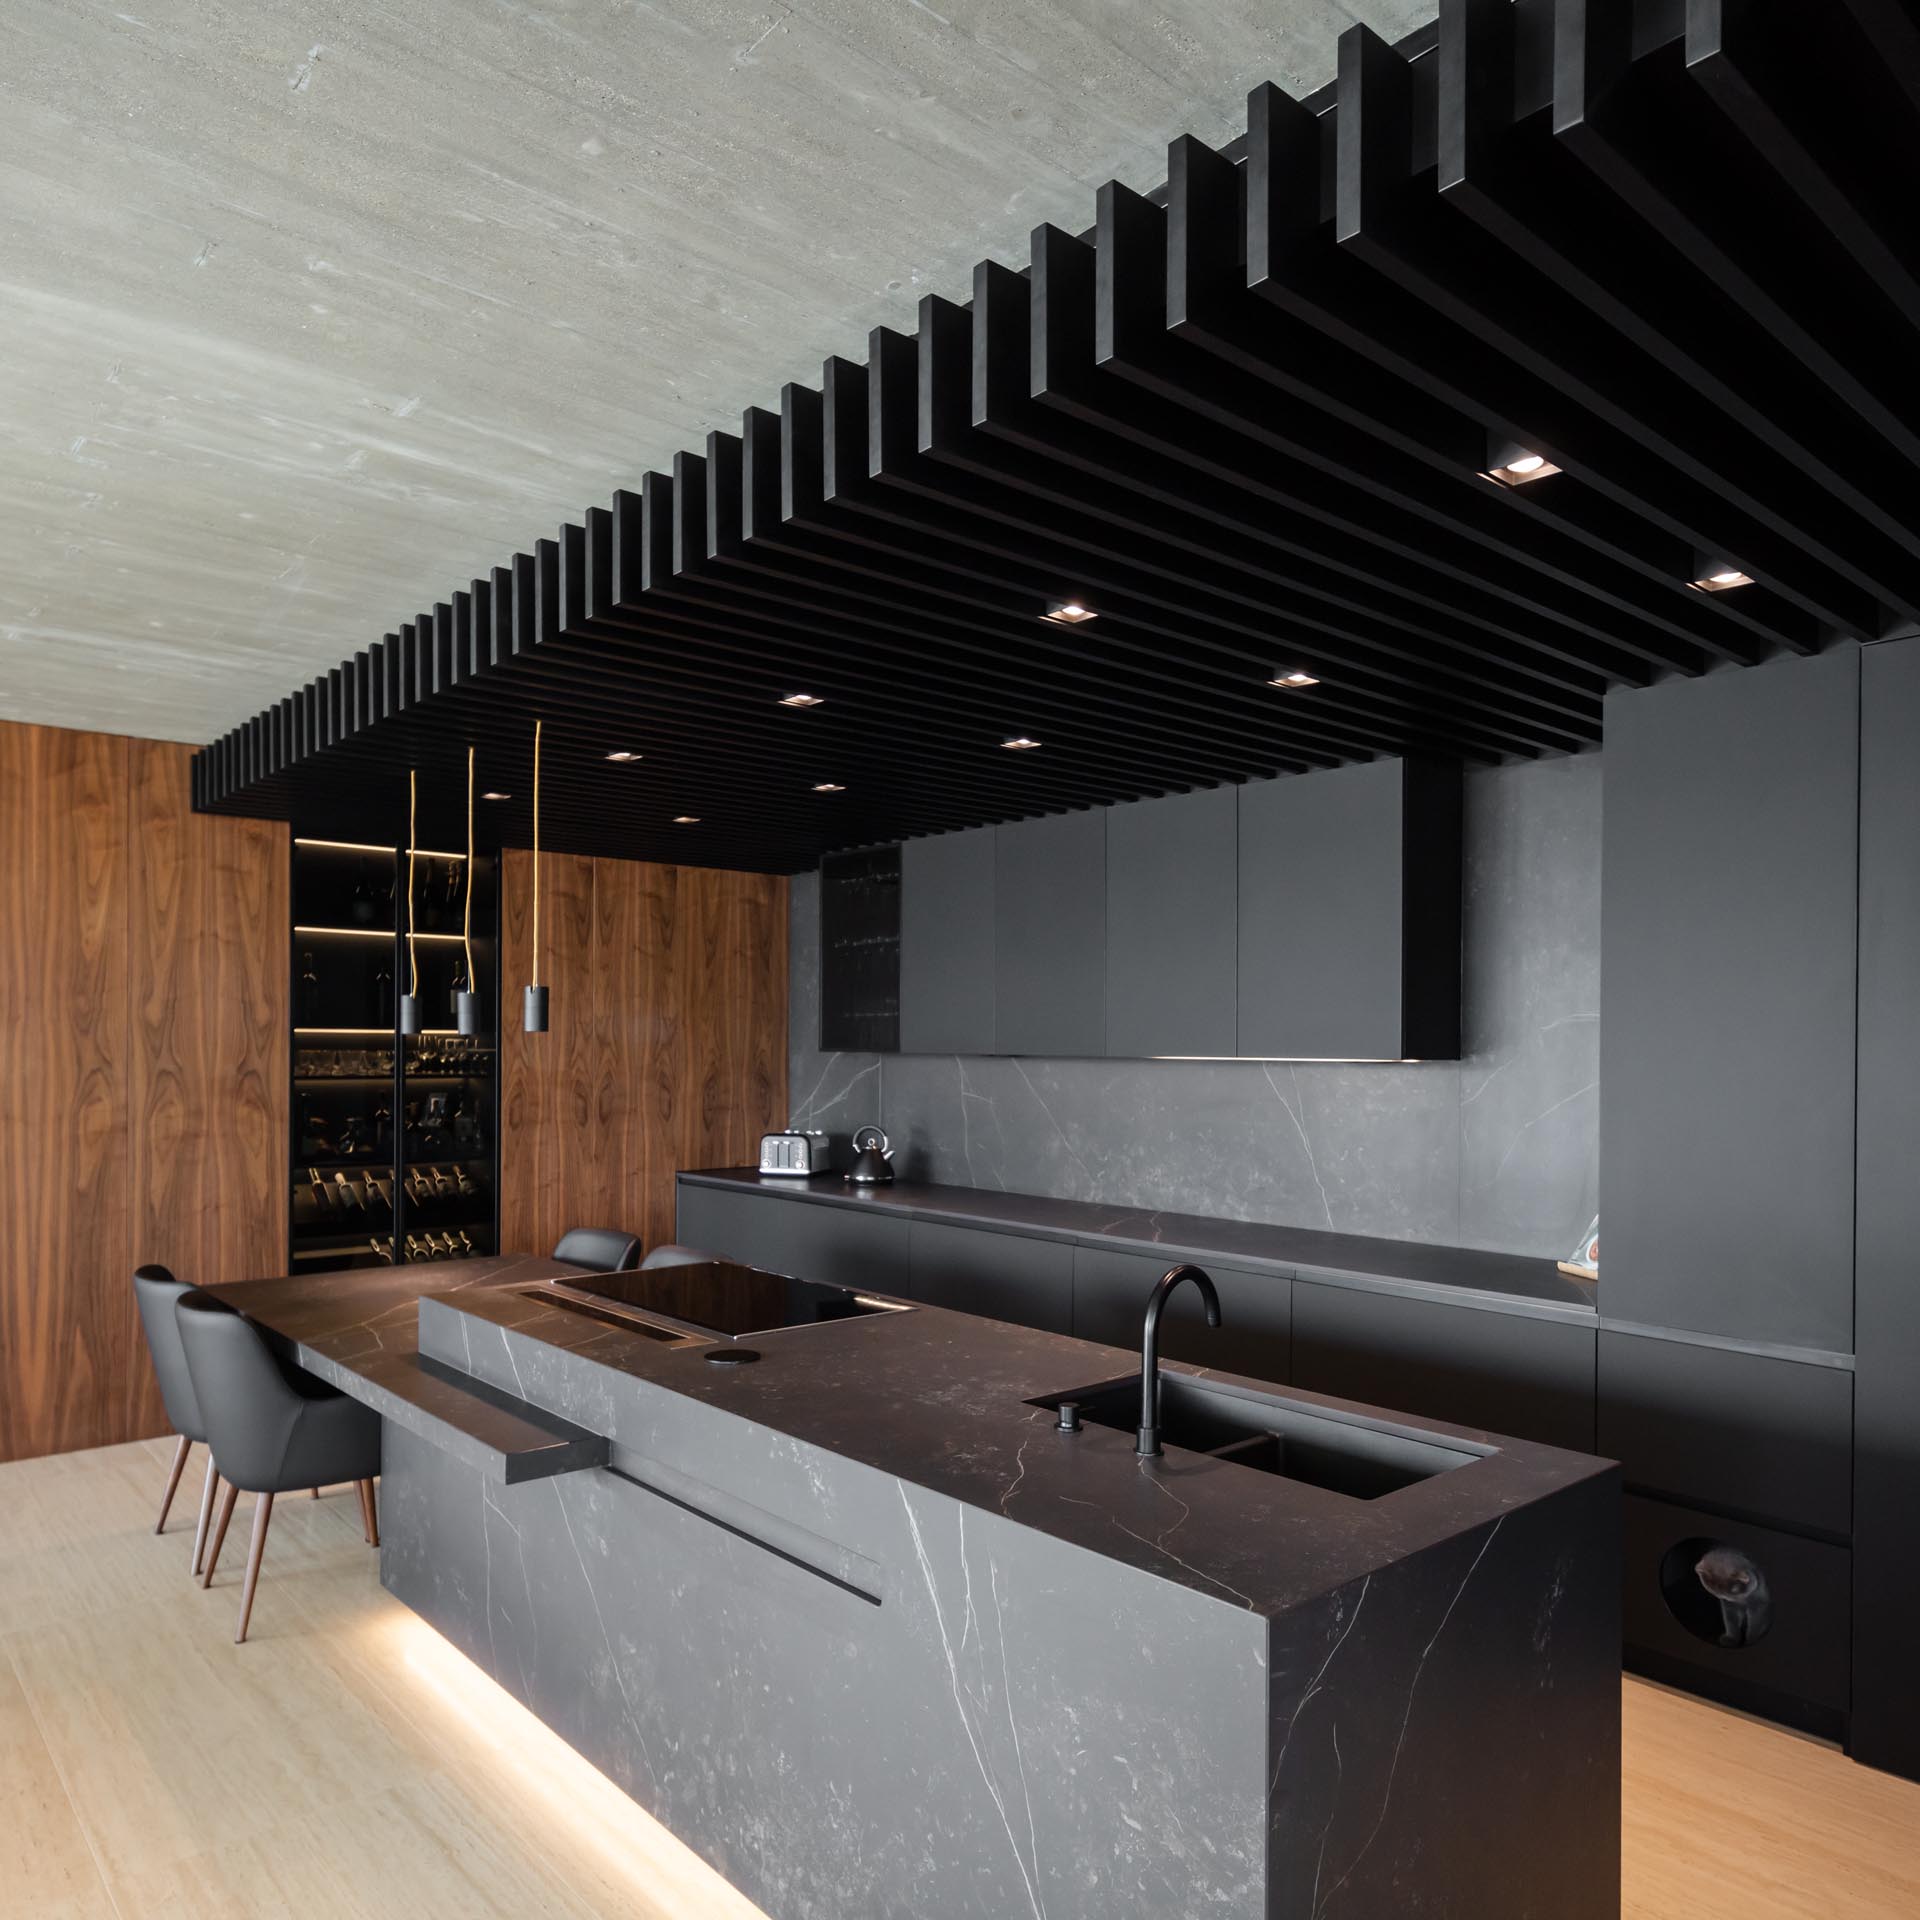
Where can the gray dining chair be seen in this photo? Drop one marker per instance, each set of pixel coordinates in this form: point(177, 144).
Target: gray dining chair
point(603, 1249)
point(671, 1254)
point(157, 1291)
point(273, 1428)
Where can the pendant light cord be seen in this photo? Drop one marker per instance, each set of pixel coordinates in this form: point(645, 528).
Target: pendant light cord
point(466, 925)
point(413, 842)
point(536, 852)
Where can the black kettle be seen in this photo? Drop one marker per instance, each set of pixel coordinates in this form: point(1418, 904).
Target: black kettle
point(872, 1158)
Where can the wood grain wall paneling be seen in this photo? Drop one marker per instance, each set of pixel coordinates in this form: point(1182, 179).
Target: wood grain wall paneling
point(667, 1046)
point(142, 1074)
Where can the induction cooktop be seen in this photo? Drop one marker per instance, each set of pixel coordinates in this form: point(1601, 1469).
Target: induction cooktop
point(717, 1299)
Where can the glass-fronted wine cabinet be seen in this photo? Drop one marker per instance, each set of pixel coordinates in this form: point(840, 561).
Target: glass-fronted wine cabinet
point(395, 1138)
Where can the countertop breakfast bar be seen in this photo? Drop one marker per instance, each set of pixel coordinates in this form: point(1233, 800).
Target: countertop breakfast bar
point(859, 1613)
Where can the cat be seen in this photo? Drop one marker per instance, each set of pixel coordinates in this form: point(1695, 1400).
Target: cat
point(1746, 1601)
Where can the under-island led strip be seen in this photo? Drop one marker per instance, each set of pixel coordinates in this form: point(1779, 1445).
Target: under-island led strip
point(371, 933)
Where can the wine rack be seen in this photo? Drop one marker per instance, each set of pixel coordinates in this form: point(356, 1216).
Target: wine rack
point(394, 1138)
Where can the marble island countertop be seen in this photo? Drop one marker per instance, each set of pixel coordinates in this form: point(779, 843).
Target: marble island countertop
point(941, 1401)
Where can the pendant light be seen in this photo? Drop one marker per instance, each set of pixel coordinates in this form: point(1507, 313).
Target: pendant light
point(534, 1014)
point(410, 1000)
point(466, 1003)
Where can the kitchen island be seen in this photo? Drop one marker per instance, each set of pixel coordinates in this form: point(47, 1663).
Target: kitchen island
point(862, 1625)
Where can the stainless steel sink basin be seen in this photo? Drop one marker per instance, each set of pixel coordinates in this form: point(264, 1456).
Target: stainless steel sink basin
point(1266, 1434)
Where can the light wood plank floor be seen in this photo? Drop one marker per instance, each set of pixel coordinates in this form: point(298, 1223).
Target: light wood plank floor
point(346, 1762)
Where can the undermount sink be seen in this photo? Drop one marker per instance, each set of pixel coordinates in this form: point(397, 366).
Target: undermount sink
point(1270, 1435)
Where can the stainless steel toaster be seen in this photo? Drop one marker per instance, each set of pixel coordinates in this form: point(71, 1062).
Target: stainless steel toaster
point(797, 1153)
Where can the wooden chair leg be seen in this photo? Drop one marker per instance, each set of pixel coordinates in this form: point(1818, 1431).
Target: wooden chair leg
point(316, 1493)
point(206, 1515)
point(220, 1532)
point(262, 1514)
point(369, 1513)
point(180, 1453)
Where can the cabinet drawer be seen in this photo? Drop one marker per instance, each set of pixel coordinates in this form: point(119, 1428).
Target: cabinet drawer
point(1801, 1655)
point(1500, 1372)
point(1735, 1431)
point(1002, 1275)
point(836, 1244)
point(1256, 1312)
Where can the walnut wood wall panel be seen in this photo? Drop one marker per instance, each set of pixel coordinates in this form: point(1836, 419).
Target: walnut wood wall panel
point(143, 984)
point(667, 1046)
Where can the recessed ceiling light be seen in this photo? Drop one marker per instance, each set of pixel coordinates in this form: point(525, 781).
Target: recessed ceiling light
point(1020, 743)
point(1293, 677)
point(828, 786)
point(1511, 465)
point(1068, 613)
point(496, 796)
point(622, 757)
point(803, 700)
point(1711, 574)
point(686, 819)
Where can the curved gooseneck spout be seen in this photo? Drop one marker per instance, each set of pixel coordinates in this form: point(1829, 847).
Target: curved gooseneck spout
point(1149, 1440)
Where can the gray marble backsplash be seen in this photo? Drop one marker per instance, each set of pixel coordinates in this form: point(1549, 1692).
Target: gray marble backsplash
point(1497, 1150)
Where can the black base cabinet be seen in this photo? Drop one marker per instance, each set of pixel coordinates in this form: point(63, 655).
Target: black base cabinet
point(1255, 1335)
point(1502, 1372)
point(1788, 1662)
point(1005, 1276)
point(836, 1244)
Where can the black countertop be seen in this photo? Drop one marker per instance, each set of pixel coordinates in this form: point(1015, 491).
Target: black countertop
point(1504, 1282)
point(358, 1330)
point(940, 1400)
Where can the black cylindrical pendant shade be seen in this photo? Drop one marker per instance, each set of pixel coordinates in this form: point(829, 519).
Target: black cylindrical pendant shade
point(535, 1013)
point(409, 1013)
point(466, 1012)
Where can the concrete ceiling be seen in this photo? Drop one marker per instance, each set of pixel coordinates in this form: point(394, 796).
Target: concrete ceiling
point(306, 309)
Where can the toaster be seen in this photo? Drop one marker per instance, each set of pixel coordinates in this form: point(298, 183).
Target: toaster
point(799, 1153)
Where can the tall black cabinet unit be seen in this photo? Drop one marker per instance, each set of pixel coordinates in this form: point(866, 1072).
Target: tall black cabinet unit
point(1886, 1729)
point(1727, 1035)
point(394, 1149)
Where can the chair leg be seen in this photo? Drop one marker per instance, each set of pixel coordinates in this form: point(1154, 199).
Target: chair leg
point(180, 1453)
point(262, 1514)
point(316, 1493)
point(206, 1515)
point(220, 1532)
point(369, 1513)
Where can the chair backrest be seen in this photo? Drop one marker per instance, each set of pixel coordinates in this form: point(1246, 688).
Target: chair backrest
point(157, 1290)
point(603, 1249)
point(672, 1255)
point(251, 1408)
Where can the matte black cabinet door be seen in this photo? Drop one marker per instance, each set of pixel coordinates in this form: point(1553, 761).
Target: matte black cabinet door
point(1885, 1731)
point(1002, 1275)
point(835, 1244)
point(1740, 1432)
point(1110, 1292)
point(1050, 936)
point(946, 943)
point(1349, 918)
point(1727, 1002)
point(1501, 1372)
point(1172, 885)
point(1792, 1666)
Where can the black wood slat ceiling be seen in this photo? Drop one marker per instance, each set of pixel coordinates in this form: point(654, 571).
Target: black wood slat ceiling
point(1666, 248)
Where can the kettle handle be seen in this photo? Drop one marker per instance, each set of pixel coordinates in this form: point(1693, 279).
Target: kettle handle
point(870, 1139)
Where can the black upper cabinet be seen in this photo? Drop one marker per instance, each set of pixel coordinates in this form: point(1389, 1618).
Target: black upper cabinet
point(1050, 935)
point(946, 943)
point(1727, 1006)
point(860, 951)
point(1171, 886)
point(1349, 922)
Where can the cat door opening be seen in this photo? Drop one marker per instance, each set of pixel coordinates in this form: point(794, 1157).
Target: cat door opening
point(1717, 1591)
